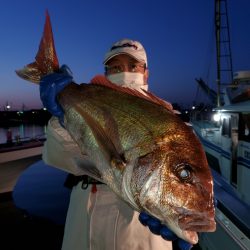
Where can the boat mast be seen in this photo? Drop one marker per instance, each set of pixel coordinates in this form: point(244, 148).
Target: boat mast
point(223, 47)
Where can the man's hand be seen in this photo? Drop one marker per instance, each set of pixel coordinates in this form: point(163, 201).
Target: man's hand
point(50, 86)
point(156, 227)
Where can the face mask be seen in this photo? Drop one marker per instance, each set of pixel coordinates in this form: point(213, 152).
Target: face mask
point(129, 80)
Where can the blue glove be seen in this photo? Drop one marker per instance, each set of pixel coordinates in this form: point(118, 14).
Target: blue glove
point(50, 86)
point(156, 227)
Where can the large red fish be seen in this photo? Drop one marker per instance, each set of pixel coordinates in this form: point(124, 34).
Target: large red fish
point(135, 144)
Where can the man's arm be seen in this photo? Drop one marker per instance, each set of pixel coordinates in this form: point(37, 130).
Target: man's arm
point(60, 150)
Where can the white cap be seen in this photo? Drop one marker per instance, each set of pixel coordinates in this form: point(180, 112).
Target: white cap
point(128, 47)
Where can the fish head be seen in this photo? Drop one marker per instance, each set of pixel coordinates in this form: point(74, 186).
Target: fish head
point(175, 185)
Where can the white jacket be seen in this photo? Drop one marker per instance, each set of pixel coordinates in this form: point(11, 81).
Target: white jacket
point(95, 220)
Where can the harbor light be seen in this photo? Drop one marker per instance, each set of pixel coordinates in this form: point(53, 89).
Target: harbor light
point(216, 117)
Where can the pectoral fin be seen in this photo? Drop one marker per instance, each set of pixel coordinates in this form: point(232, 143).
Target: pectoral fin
point(104, 141)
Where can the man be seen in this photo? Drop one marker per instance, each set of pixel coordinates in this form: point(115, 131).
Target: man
point(97, 218)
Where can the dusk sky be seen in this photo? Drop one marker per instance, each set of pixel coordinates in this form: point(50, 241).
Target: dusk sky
point(177, 35)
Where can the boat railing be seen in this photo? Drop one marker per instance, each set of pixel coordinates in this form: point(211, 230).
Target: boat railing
point(211, 131)
point(22, 142)
point(207, 129)
point(239, 93)
point(28, 138)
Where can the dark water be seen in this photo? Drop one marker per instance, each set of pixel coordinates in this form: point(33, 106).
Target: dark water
point(24, 131)
point(41, 192)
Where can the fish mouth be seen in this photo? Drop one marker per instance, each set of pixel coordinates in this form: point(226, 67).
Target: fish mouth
point(191, 224)
point(197, 223)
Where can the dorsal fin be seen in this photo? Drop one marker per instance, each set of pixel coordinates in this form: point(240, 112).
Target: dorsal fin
point(46, 59)
point(102, 80)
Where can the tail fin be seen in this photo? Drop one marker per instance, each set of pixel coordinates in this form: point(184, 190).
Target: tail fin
point(46, 61)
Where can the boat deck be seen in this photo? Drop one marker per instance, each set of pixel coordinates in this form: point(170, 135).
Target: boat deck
point(19, 230)
point(231, 205)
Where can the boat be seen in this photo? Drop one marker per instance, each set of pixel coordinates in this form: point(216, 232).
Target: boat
point(15, 157)
point(224, 132)
point(20, 149)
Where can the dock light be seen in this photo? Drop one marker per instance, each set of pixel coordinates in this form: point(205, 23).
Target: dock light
point(193, 107)
point(44, 109)
point(216, 117)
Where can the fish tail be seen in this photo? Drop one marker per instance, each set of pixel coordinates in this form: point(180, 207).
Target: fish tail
point(46, 60)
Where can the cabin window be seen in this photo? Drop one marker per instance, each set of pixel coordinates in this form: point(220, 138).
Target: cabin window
point(245, 127)
point(226, 127)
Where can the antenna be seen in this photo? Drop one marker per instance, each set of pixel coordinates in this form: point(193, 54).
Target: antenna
point(223, 47)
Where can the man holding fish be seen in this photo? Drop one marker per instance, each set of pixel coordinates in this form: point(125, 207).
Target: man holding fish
point(97, 218)
point(114, 131)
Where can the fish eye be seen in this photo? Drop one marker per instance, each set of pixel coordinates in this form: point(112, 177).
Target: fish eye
point(184, 172)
